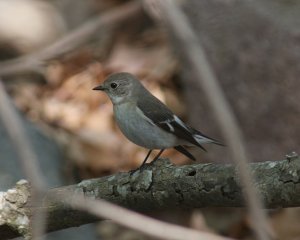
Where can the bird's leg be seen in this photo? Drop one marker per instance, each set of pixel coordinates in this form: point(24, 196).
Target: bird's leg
point(158, 155)
point(145, 160)
point(143, 164)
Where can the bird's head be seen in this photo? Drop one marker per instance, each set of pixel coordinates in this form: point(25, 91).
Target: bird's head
point(120, 87)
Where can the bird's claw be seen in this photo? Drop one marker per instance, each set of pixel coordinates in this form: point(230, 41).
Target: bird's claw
point(140, 168)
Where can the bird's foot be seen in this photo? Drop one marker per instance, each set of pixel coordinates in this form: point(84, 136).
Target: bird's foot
point(143, 167)
point(140, 168)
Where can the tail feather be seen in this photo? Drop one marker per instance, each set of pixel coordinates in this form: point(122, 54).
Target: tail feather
point(201, 138)
point(185, 152)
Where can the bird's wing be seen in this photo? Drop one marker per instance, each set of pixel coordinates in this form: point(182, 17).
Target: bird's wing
point(157, 113)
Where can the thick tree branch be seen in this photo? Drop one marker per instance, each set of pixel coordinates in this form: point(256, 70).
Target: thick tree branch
point(165, 186)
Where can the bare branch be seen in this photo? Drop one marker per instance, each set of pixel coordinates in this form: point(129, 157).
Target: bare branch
point(18, 136)
point(165, 186)
point(14, 199)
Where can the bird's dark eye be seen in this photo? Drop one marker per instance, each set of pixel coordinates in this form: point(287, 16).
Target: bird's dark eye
point(113, 85)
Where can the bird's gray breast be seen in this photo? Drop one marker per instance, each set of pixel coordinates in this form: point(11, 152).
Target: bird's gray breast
point(141, 130)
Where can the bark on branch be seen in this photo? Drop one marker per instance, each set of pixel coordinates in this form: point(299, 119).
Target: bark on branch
point(164, 186)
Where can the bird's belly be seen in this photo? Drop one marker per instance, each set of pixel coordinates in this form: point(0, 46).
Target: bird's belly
point(143, 133)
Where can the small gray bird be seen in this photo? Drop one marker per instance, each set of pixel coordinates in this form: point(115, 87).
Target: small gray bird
point(146, 121)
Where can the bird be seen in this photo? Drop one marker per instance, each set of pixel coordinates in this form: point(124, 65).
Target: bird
point(148, 122)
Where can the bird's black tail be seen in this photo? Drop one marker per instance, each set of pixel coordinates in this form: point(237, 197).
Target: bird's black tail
point(185, 152)
point(201, 138)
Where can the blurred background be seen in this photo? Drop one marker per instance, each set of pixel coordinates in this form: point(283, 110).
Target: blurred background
point(253, 48)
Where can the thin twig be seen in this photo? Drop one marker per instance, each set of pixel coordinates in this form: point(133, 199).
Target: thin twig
point(138, 222)
point(13, 126)
point(28, 160)
point(194, 51)
point(35, 61)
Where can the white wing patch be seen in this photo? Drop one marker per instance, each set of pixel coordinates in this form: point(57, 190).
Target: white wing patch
point(170, 126)
point(170, 121)
point(201, 139)
point(181, 123)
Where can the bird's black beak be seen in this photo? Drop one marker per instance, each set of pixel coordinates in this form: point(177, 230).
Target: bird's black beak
point(100, 87)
